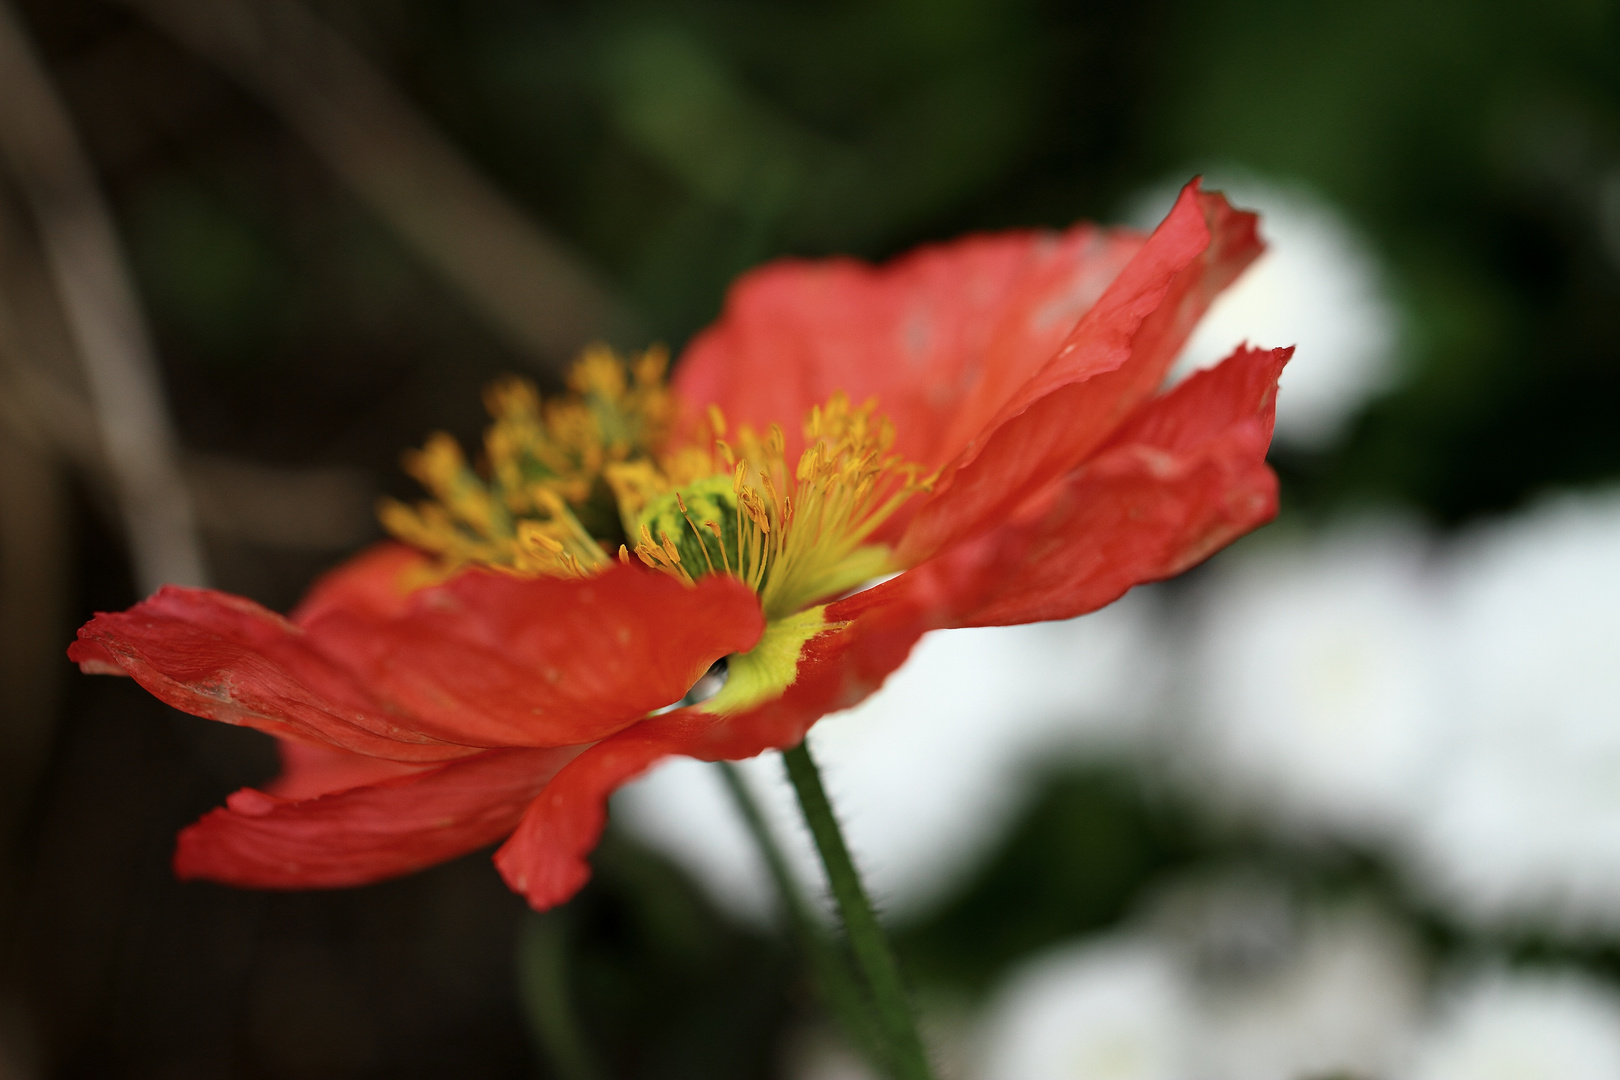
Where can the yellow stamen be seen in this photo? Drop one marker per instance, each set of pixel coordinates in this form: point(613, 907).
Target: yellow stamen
point(804, 533)
point(693, 526)
point(714, 527)
point(543, 465)
point(567, 481)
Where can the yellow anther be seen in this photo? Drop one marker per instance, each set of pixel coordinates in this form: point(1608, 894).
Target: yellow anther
point(544, 459)
point(533, 534)
point(720, 538)
point(556, 470)
point(599, 372)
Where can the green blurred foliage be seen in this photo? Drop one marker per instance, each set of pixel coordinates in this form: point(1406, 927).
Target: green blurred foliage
point(641, 977)
point(690, 141)
point(676, 144)
point(1473, 141)
point(1088, 848)
point(212, 268)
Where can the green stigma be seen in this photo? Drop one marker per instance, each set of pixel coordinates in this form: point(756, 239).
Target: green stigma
point(710, 505)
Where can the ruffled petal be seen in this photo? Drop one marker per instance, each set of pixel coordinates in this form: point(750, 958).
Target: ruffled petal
point(225, 658)
point(1112, 361)
point(368, 833)
point(1180, 480)
point(492, 660)
point(940, 336)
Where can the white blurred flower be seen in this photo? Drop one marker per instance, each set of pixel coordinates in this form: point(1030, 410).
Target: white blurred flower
point(1232, 983)
point(928, 773)
point(824, 1054)
point(1524, 824)
point(1110, 1010)
point(1312, 689)
point(818, 1051)
point(1344, 1000)
point(1318, 286)
point(1526, 1027)
point(682, 809)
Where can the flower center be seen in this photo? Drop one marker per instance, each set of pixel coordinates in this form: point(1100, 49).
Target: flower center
point(565, 483)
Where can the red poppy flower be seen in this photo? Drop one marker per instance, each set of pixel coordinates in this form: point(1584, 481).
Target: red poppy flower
point(507, 668)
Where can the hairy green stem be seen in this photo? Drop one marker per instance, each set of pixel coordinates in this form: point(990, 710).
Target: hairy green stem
point(866, 938)
point(841, 993)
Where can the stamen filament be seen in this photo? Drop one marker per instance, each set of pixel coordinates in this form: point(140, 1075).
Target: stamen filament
point(680, 502)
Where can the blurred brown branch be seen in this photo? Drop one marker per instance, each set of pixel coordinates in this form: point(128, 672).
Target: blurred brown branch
point(85, 261)
point(535, 291)
point(320, 509)
point(326, 509)
point(34, 555)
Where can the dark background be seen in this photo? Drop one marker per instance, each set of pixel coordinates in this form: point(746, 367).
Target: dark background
point(305, 340)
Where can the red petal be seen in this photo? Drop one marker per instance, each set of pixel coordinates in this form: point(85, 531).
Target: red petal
point(545, 859)
point(1114, 359)
point(483, 660)
point(311, 769)
point(940, 336)
point(226, 658)
point(1180, 480)
point(1204, 406)
point(93, 658)
point(492, 660)
point(367, 833)
point(379, 580)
